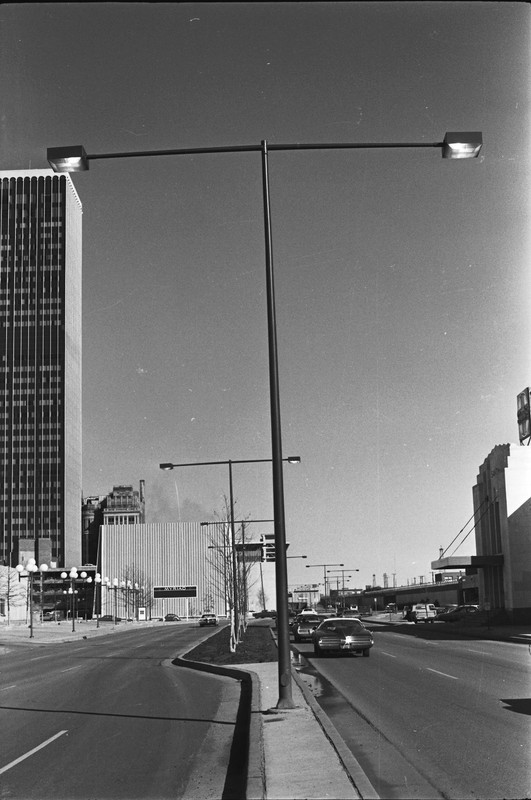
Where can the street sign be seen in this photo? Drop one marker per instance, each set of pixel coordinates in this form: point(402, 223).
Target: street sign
point(251, 554)
point(174, 591)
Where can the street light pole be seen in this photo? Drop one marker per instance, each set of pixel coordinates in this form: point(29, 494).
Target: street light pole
point(456, 145)
point(282, 628)
point(325, 566)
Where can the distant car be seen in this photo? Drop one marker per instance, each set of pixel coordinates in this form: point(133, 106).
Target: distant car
point(423, 612)
point(265, 614)
point(172, 618)
point(304, 626)
point(339, 635)
point(459, 613)
point(109, 618)
point(52, 616)
point(208, 619)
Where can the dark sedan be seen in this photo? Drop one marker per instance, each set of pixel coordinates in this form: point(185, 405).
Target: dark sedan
point(304, 627)
point(339, 635)
point(457, 614)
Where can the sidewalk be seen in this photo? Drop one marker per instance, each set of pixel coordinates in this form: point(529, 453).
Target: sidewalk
point(304, 757)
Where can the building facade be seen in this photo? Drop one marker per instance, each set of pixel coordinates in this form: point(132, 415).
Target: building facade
point(40, 367)
point(123, 506)
point(502, 521)
point(161, 555)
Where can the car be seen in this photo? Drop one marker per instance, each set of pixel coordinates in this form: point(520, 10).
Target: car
point(350, 614)
point(52, 616)
point(208, 619)
point(265, 614)
point(459, 613)
point(423, 612)
point(340, 635)
point(304, 626)
point(109, 618)
point(172, 618)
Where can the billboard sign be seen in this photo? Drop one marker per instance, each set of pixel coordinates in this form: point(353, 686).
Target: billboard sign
point(174, 591)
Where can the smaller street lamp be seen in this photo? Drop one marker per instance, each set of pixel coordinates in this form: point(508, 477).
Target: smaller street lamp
point(29, 571)
point(97, 595)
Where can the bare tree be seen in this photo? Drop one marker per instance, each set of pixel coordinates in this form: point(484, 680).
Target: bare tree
point(227, 581)
point(12, 591)
point(137, 591)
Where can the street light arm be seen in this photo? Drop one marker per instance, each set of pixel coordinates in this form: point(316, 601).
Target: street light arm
point(74, 158)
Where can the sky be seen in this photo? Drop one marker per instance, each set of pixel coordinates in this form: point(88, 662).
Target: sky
point(401, 279)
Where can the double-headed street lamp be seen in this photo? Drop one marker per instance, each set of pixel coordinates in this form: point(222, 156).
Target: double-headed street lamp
point(342, 571)
point(453, 146)
point(236, 623)
point(325, 566)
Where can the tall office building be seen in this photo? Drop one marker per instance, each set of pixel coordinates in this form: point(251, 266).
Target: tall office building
point(40, 368)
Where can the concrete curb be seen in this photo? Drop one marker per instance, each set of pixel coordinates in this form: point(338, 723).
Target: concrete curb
point(248, 735)
point(351, 765)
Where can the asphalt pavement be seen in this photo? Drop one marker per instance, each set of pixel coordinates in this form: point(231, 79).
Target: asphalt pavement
point(295, 754)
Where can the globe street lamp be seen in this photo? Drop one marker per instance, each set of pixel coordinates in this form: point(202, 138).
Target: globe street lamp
point(29, 571)
point(97, 597)
point(455, 145)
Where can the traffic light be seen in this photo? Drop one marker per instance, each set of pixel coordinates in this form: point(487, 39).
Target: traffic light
point(268, 547)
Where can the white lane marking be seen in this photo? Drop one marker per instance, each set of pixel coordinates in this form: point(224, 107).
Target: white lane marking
point(13, 686)
point(70, 668)
point(481, 652)
point(31, 752)
point(445, 674)
point(388, 654)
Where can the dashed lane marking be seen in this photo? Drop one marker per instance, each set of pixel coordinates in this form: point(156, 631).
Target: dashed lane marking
point(444, 674)
point(31, 752)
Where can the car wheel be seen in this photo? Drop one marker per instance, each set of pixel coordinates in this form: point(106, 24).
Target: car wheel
point(366, 653)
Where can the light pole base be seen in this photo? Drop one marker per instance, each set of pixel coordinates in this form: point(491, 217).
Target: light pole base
point(285, 703)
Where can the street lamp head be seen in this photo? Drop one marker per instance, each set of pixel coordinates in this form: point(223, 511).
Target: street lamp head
point(293, 459)
point(68, 159)
point(462, 145)
point(166, 467)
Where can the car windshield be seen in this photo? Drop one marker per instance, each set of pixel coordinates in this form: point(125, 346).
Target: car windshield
point(309, 621)
point(346, 628)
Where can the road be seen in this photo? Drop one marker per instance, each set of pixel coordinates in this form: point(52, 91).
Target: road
point(436, 716)
point(111, 717)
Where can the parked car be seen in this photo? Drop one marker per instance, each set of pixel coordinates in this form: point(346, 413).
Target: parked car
point(172, 618)
point(265, 614)
point(459, 613)
point(340, 635)
point(109, 618)
point(304, 626)
point(208, 619)
point(423, 612)
point(52, 616)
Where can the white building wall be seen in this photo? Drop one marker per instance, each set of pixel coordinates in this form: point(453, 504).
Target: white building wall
point(166, 554)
